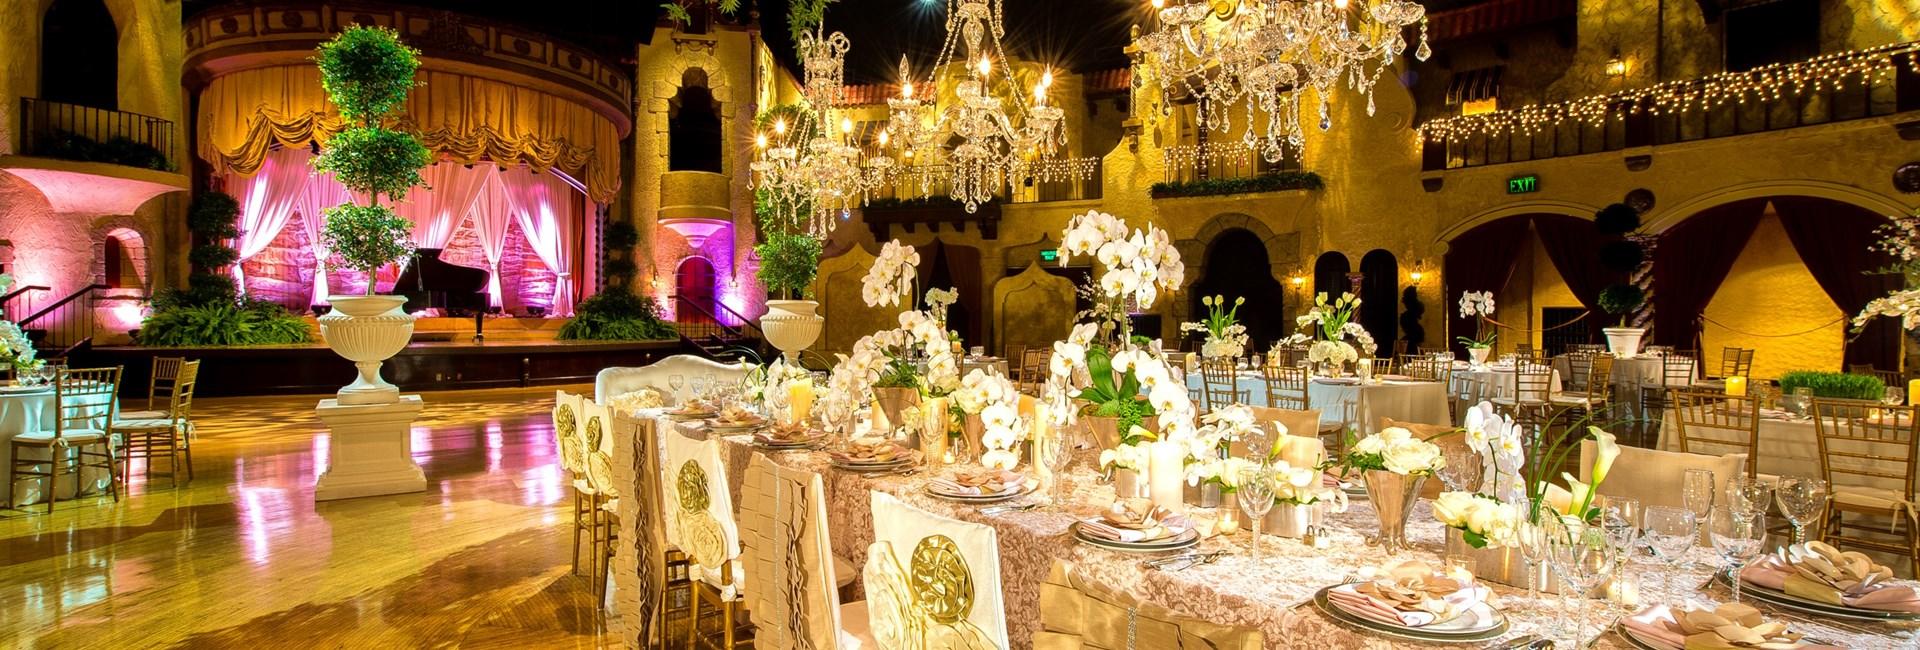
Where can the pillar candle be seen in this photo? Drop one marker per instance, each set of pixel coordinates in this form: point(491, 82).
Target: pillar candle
point(1913, 391)
point(933, 431)
point(1737, 386)
point(1042, 443)
point(1166, 474)
point(799, 400)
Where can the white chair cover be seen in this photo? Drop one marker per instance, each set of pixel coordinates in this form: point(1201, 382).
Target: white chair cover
point(567, 420)
point(700, 509)
point(596, 442)
point(1657, 478)
point(914, 549)
point(790, 575)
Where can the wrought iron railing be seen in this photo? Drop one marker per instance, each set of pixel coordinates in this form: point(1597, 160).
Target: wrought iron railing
point(87, 134)
point(20, 300)
point(1222, 160)
point(64, 325)
point(1643, 117)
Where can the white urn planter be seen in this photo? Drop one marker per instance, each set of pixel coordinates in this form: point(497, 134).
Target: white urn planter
point(1624, 342)
point(792, 325)
point(367, 330)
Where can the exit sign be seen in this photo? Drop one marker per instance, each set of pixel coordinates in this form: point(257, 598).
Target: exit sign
point(1523, 184)
point(1050, 255)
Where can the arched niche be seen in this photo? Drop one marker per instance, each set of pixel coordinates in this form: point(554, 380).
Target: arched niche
point(79, 54)
point(1231, 268)
point(1379, 299)
point(1032, 308)
point(693, 123)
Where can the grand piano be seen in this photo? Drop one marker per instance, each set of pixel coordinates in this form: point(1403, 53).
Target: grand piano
point(455, 290)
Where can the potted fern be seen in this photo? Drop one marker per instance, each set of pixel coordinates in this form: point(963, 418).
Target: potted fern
point(366, 72)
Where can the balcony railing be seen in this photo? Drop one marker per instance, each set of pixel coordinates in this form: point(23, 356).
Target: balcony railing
point(1222, 160)
point(1072, 179)
point(1868, 83)
point(73, 132)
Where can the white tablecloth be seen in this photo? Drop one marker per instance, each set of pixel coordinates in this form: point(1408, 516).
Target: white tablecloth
point(22, 413)
point(1630, 375)
point(1789, 446)
point(1496, 380)
point(1407, 401)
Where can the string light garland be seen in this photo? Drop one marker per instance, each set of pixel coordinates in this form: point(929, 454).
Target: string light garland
point(1193, 155)
point(1767, 83)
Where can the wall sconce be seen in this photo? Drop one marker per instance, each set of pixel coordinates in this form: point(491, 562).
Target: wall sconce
point(1616, 66)
point(1418, 271)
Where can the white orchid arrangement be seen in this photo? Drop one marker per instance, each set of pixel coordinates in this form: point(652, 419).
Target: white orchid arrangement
point(1128, 455)
point(1900, 239)
point(996, 400)
point(892, 275)
point(762, 383)
point(1226, 338)
point(1329, 325)
point(1138, 264)
point(15, 348)
point(1478, 305)
point(1396, 450)
point(938, 300)
point(1131, 385)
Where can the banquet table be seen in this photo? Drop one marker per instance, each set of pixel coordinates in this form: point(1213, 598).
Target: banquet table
point(1272, 595)
point(1630, 375)
point(1496, 380)
point(1789, 446)
point(24, 412)
point(1406, 400)
point(970, 362)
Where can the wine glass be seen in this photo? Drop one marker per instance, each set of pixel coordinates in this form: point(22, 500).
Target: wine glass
point(1581, 557)
point(1801, 498)
point(1463, 470)
point(699, 385)
point(1670, 532)
point(1057, 451)
point(1532, 541)
point(1748, 493)
point(676, 382)
point(1738, 536)
point(1698, 489)
point(1621, 518)
point(1255, 495)
point(1894, 396)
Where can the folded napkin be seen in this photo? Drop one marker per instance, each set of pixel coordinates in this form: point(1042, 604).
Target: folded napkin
point(694, 406)
point(1731, 626)
point(784, 434)
point(1098, 529)
point(980, 482)
point(1411, 594)
point(858, 452)
point(1134, 520)
point(1822, 573)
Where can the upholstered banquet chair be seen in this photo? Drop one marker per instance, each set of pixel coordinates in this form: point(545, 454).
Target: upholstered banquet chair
point(1658, 478)
point(700, 522)
point(1304, 423)
point(567, 444)
point(1078, 614)
point(1716, 423)
point(790, 566)
point(622, 380)
point(164, 436)
point(932, 581)
point(595, 438)
point(85, 401)
point(1869, 455)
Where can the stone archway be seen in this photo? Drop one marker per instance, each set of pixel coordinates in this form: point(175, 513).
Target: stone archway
point(120, 255)
point(1283, 252)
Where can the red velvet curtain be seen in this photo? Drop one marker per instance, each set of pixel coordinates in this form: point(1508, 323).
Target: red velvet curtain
point(1573, 245)
point(1832, 239)
point(1480, 260)
point(1691, 261)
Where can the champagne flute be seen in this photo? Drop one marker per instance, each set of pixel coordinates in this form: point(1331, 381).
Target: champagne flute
point(1058, 450)
point(1532, 540)
point(1255, 495)
point(1801, 498)
point(1738, 536)
point(1670, 533)
point(1581, 557)
point(1621, 519)
point(1699, 492)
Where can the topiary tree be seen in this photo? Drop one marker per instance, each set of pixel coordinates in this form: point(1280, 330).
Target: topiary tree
point(1622, 255)
point(367, 72)
point(212, 219)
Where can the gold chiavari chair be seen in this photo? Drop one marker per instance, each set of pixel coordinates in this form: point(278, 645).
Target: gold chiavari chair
point(1378, 367)
point(1865, 448)
point(1219, 380)
point(1579, 369)
point(1531, 389)
point(1434, 349)
point(161, 383)
point(1735, 362)
point(1523, 350)
point(1286, 387)
point(1033, 369)
point(1016, 356)
point(1676, 373)
point(1295, 355)
point(161, 437)
point(85, 401)
point(1593, 397)
point(1891, 378)
point(1714, 423)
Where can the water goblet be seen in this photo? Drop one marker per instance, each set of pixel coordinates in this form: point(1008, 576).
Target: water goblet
point(1621, 519)
point(1894, 396)
point(1670, 533)
point(1698, 491)
point(676, 382)
point(1748, 493)
point(1581, 557)
point(1056, 451)
point(1801, 498)
point(1738, 536)
point(1532, 541)
point(1255, 496)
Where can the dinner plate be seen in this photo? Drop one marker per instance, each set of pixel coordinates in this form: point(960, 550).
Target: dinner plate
point(1009, 493)
point(1791, 601)
point(1633, 640)
point(687, 417)
point(1184, 540)
point(1478, 624)
point(806, 443)
point(716, 427)
point(23, 390)
point(905, 460)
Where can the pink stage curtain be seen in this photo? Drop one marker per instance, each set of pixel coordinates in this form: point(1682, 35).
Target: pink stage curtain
point(539, 202)
point(322, 192)
point(436, 210)
point(266, 204)
point(491, 216)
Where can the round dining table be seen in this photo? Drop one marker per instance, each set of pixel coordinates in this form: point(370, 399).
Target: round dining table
point(1343, 400)
point(31, 409)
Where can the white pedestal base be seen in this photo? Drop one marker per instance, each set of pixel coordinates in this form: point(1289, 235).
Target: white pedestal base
point(371, 451)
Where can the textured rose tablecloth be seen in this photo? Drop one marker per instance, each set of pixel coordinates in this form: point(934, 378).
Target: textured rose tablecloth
point(1272, 595)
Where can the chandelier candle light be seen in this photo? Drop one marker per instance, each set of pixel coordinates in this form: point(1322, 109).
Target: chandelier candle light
point(815, 168)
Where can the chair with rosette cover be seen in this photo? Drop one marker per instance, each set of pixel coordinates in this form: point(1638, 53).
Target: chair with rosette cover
point(931, 581)
point(596, 445)
point(787, 554)
point(700, 522)
point(567, 419)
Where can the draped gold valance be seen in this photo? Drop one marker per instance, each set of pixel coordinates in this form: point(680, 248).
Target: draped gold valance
point(466, 118)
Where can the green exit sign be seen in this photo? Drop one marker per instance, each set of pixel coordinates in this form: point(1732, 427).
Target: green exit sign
point(1050, 255)
point(1523, 184)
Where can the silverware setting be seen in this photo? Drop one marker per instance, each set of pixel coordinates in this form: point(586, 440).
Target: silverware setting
point(994, 510)
point(1527, 642)
point(1184, 561)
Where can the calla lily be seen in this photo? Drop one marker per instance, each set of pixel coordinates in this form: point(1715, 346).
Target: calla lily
point(1581, 497)
point(1558, 498)
point(1605, 450)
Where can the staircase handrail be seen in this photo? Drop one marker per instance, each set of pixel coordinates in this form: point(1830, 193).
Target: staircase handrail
point(76, 295)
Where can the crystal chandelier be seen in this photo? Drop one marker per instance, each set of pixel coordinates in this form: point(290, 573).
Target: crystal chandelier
point(814, 168)
point(1265, 55)
point(989, 135)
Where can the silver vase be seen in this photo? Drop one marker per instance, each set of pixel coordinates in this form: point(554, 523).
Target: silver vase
point(1392, 496)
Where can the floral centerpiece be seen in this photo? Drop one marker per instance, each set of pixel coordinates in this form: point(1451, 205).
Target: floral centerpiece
point(1899, 239)
point(990, 404)
point(1226, 338)
point(919, 358)
point(1393, 464)
point(1478, 305)
point(16, 350)
point(1127, 461)
point(1137, 264)
point(1101, 369)
point(1329, 325)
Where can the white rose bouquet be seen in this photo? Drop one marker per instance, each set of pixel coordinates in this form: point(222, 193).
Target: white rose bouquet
point(15, 348)
point(1394, 449)
point(1485, 522)
point(1133, 456)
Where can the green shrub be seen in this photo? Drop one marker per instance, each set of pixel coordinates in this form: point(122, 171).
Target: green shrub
point(1834, 384)
point(617, 316)
point(375, 159)
point(788, 262)
point(366, 71)
point(1269, 182)
point(251, 322)
point(1621, 299)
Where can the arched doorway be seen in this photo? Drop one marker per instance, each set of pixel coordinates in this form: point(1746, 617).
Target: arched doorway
point(1237, 267)
point(123, 260)
point(693, 125)
point(693, 291)
point(80, 54)
point(1379, 304)
point(1330, 275)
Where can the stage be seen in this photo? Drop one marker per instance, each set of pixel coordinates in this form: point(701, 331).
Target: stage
point(423, 365)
